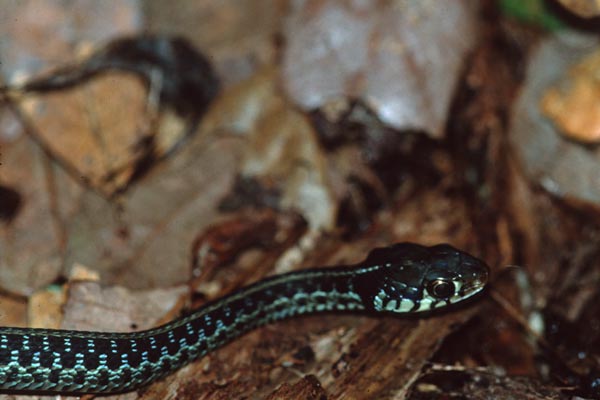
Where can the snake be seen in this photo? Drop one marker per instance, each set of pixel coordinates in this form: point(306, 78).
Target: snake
point(401, 279)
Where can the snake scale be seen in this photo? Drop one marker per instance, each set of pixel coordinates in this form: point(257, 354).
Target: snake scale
point(400, 279)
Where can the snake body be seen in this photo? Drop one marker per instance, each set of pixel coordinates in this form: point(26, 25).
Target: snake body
point(403, 278)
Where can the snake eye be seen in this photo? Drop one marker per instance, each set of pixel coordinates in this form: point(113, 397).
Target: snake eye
point(440, 288)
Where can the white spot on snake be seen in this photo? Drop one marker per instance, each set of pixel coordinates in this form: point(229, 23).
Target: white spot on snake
point(457, 285)
point(391, 305)
point(378, 300)
point(406, 305)
point(425, 304)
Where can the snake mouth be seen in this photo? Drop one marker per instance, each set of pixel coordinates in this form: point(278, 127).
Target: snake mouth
point(472, 288)
point(467, 291)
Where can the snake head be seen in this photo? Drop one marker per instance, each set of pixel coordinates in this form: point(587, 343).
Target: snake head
point(407, 277)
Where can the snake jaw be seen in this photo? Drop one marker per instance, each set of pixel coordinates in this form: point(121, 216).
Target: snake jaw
point(467, 291)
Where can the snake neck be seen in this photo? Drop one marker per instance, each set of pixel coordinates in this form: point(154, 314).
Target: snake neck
point(219, 322)
point(73, 361)
point(283, 296)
